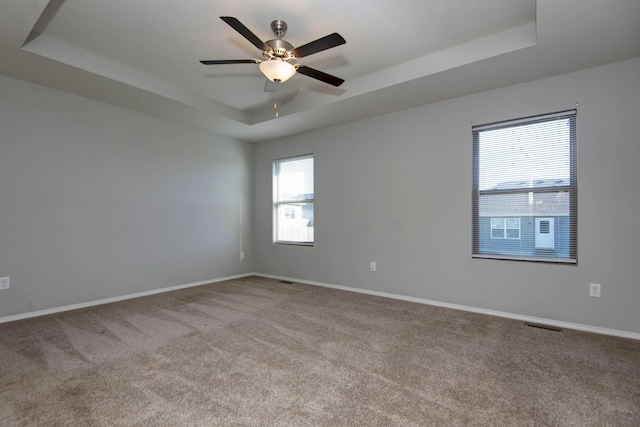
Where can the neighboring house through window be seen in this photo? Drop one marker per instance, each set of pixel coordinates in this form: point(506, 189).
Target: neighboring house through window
point(525, 189)
point(293, 200)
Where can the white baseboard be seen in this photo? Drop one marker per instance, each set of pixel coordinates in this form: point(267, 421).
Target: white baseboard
point(538, 320)
point(115, 299)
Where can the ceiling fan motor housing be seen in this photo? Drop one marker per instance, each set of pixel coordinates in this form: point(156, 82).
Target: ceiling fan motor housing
point(279, 49)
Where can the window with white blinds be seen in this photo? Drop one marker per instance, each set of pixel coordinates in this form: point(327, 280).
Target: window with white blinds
point(525, 189)
point(293, 200)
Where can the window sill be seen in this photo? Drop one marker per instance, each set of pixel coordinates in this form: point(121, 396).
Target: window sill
point(308, 244)
point(530, 259)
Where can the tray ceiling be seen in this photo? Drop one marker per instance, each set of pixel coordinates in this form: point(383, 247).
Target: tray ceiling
point(143, 54)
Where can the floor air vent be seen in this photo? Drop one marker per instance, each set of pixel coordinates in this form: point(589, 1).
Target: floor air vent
point(540, 326)
point(286, 281)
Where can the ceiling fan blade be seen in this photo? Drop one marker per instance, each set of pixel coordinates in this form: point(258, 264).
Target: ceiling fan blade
point(319, 75)
point(245, 32)
point(326, 42)
point(229, 61)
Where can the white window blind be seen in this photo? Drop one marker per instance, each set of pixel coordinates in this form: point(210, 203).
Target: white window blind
point(525, 189)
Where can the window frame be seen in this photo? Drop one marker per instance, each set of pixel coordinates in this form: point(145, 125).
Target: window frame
point(571, 188)
point(284, 204)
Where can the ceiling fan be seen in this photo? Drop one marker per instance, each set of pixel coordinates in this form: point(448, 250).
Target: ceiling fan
point(278, 54)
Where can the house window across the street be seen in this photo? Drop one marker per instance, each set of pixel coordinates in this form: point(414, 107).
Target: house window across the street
point(505, 228)
point(524, 199)
point(293, 200)
point(289, 213)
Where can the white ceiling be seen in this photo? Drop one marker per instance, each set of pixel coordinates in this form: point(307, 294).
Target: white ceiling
point(143, 54)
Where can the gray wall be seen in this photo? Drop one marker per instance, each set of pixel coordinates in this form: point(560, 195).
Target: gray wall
point(396, 189)
point(97, 201)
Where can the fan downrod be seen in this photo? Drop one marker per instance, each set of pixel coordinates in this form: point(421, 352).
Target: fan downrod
point(279, 28)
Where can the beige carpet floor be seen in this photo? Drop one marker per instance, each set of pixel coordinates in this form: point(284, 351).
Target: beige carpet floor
point(257, 352)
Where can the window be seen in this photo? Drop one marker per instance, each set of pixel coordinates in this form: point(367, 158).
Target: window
point(505, 228)
point(289, 213)
point(293, 200)
point(525, 189)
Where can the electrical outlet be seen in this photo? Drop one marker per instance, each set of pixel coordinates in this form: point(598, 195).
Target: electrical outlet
point(372, 266)
point(5, 282)
point(241, 255)
point(594, 290)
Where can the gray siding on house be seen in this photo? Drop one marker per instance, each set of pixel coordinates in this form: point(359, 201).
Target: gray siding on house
point(524, 204)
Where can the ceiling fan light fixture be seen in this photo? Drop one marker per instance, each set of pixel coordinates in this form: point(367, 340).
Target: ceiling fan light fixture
point(276, 70)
